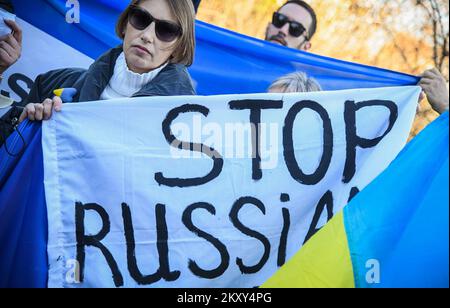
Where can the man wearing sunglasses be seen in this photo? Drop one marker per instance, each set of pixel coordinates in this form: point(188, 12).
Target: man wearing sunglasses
point(293, 25)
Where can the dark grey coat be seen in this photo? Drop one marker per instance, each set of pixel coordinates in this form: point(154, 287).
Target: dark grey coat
point(173, 80)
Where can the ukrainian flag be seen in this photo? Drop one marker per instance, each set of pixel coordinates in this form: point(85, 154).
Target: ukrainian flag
point(395, 233)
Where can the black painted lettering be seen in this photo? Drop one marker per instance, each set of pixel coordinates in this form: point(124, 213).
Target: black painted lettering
point(224, 255)
point(325, 201)
point(288, 143)
point(194, 147)
point(255, 107)
point(94, 240)
point(163, 271)
point(354, 141)
point(234, 217)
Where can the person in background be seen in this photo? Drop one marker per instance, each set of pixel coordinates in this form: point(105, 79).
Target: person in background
point(435, 89)
point(432, 82)
point(293, 25)
point(295, 82)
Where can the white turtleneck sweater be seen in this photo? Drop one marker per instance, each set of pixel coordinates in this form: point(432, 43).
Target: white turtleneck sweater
point(125, 83)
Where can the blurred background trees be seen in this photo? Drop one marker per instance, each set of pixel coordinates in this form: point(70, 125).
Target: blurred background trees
point(403, 35)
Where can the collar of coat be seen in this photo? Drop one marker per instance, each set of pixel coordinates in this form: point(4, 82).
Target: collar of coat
point(172, 80)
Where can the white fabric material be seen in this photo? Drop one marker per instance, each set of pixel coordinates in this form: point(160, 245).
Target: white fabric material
point(124, 82)
point(102, 158)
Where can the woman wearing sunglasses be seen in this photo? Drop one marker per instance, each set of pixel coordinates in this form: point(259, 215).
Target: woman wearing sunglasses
point(158, 46)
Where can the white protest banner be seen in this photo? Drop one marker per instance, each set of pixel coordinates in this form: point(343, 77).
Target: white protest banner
point(40, 54)
point(213, 191)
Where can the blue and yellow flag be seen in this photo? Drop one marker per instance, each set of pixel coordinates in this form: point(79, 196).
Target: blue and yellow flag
point(395, 233)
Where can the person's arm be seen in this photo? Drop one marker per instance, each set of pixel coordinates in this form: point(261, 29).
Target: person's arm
point(10, 46)
point(435, 88)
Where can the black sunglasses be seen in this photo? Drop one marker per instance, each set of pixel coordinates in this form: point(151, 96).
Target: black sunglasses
point(295, 28)
point(140, 19)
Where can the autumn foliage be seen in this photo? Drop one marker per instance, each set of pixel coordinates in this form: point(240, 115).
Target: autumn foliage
point(403, 35)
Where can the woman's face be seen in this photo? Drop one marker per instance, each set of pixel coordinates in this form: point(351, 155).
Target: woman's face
point(143, 50)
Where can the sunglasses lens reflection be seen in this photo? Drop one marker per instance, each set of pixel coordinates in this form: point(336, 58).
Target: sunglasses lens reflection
point(165, 31)
point(295, 28)
point(279, 20)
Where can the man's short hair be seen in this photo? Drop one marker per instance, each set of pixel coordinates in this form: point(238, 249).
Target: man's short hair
point(296, 82)
point(312, 29)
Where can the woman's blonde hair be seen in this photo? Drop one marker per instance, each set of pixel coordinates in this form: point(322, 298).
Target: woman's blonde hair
point(184, 13)
point(295, 82)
